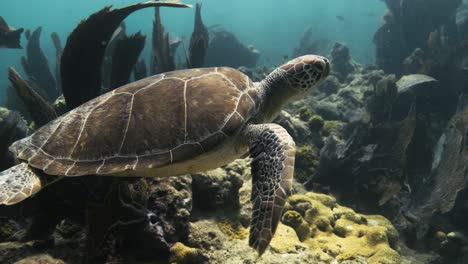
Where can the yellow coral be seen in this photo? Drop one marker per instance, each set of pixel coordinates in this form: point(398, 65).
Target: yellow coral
point(181, 254)
point(233, 229)
point(285, 241)
point(40, 259)
point(295, 220)
point(337, 232)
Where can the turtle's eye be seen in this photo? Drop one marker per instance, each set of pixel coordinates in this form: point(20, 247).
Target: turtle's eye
point(319, 66)
point(153, 219)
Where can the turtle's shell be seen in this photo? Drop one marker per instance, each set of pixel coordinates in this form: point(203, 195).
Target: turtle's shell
point(150, 123)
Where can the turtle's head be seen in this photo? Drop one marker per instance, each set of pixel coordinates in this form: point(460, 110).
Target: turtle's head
point(293, 81)
point(305, 73)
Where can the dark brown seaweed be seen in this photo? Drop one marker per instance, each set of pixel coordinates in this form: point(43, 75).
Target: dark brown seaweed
point(41, 112)
point(84, 51)
point(198, 41)
point(124, 57)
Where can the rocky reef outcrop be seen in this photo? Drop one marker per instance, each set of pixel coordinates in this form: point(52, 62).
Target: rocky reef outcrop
point(225, 49)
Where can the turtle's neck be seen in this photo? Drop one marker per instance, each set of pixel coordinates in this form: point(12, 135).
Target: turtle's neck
point(275, 94)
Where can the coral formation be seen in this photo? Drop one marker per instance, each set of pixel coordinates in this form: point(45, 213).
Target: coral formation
point(216, 190)
point(12, 128)
point(341, 61)
point(181, 254)
point(306, 163)
point(338, 233)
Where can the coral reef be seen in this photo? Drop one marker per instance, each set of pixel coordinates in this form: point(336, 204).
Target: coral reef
point(341, 61)
point(170, 200)
point(216, 190)
point(338, 233)
point(181, 254)
point(12, 128)
point(406, 27)
point(306, 163)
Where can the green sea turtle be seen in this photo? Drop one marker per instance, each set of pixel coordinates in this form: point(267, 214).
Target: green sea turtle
point(175, 123)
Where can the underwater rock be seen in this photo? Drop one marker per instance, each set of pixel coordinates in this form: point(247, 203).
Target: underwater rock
point(36, 66)
point(198, 41)
point(448, 174)
point(372, 159)
point(296, 128)
point(216, 189)
point(170, 200)
point(306, 163)
point(226, 50)
point(331, 85)
point(416, 62)
point(12, 128)
point(338, 233)
point(406, 26)
point(219, 247)
point(93, 35)
point(9, 37)
point(341, 61)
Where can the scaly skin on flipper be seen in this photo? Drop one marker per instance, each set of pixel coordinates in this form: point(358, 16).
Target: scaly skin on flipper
point(19, 182)
point(272, 150)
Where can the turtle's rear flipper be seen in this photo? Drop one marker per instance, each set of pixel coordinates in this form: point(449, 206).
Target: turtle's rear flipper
point(18, 183)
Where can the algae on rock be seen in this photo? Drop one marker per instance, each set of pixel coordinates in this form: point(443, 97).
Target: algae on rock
point(338, 233)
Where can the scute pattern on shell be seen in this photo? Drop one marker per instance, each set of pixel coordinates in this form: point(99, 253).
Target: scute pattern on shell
point(150, 123)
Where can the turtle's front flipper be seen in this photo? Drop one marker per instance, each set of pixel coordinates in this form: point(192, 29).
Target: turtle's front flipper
point(19, 182)
point(272, 150)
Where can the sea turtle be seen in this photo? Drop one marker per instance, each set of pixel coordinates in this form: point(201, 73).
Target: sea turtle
point(175, 123)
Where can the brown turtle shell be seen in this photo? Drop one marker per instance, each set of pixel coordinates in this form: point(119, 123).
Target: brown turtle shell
point(150, 123)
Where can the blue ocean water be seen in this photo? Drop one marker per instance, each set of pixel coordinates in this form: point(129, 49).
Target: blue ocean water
point(274, 27)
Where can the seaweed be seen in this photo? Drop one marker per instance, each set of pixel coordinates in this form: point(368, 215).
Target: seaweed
point(449, 172)
point(140, 71)
point(40, 110)
point(198, 41)
point(9, 37)
point(106, 67)
point(37, 67)
point(124, 58)
point(58, 54)
point(408, 25)
point(162, 58)
point(82, 57)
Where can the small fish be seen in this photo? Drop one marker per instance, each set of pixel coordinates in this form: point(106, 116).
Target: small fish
point(371, 14)
point(285, 57)
point(341, 18)
point(9, 37)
